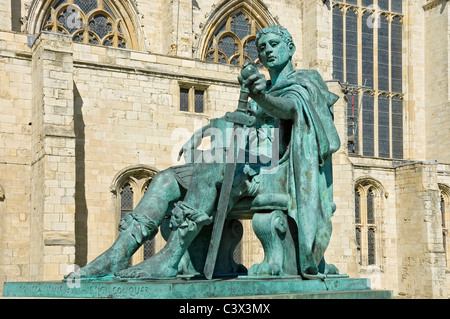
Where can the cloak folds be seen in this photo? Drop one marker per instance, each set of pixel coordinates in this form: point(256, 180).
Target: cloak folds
point(313, 140)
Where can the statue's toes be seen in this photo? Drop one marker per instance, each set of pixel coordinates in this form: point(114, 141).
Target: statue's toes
point(126, 273)
point(265, 269)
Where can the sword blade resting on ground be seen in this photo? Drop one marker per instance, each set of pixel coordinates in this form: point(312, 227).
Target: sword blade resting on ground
point(239, 118)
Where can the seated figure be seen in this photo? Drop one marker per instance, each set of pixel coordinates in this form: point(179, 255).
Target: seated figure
point(285, 182)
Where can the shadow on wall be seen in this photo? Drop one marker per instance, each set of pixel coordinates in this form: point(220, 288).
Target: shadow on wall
point(81, 211)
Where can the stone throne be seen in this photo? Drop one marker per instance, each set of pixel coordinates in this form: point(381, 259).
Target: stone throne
point(276, 231)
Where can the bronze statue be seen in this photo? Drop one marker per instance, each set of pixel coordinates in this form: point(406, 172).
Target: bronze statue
point(285, 183)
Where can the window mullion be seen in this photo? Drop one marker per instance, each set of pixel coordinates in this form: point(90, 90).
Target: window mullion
point(191, 99)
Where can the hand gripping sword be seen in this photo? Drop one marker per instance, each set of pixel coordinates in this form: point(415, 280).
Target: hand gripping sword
point(239, 117)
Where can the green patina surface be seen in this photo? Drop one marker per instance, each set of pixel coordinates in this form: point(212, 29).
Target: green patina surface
point(342, 288)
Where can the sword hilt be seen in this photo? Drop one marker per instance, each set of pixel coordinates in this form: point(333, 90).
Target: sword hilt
point(240, 116)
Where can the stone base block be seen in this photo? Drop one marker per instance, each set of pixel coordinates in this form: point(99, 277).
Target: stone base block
point(289, 288)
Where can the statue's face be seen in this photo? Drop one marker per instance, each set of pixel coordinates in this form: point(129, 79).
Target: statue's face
point(274, 52)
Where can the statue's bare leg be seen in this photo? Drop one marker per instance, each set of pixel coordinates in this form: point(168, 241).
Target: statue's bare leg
point(136, 227)
point(188, 218)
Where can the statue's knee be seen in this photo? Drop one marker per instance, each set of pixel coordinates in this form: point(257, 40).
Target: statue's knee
point(163, 179)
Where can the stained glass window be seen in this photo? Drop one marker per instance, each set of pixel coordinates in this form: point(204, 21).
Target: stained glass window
point(396, 55)
point(396, 6)
point(383, 126)
point(87, 21)
point(233, 41)
point(384, 4)
point(199, 100)
point(371, 246)
point(358, 243)
point(184, 99)
point(383, 54)
point(352, 123)
point(368, 124)
point(352, 48)
point(357, 207)
point(367, 52)
point(367, 202)
point(397, 127)
point(192, 98)
point(126, 200)
point(370, 207)
point(445, 214)
point(149, 248)
point(131, 192)
point(338, 45)
point(372, 39)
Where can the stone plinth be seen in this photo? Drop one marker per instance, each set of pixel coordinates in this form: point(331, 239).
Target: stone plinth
point(244, 287)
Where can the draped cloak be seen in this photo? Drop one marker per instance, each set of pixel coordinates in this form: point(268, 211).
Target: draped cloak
point(313, 140)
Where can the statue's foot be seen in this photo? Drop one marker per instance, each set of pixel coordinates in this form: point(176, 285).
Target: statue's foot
point(265, 269)
point(103, 266)
point(153, 267)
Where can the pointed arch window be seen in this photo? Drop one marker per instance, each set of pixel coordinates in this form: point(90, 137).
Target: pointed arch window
point(233, 42)
point(88, 21)
point(444, 206)
point(129, 187)
point(129, 197)
point(232, 32)
point(367, 208)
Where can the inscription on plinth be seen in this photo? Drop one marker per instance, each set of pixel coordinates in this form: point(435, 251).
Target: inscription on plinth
point(179, 289)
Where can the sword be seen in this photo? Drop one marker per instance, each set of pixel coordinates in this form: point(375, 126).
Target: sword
point(240, 117)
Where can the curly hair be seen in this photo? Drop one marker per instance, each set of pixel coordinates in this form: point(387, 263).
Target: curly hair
point(278, 30)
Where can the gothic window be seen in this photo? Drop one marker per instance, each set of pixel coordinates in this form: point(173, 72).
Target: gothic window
point(367, 206)
point(444, 205)
point(126, 200)
point(130, 186)
point(88, 21)
point(367, 60)
point(233, 39)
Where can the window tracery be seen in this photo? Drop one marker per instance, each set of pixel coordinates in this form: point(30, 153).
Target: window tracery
point(367, 209)
point(367, 60)
point(233, 41)
point(231, 32)
point(88, 21)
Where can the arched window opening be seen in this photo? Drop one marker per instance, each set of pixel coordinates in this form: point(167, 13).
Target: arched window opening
point(234, 40)
point(371, 246)
point(370, 207)
point(130, 185)
point(126, 200)
point(367, 212)
point(231, 32)
point(88, 21)
point(444, 206)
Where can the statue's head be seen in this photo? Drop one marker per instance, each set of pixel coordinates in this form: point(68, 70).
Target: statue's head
point(275, 47)
point(278, 30)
